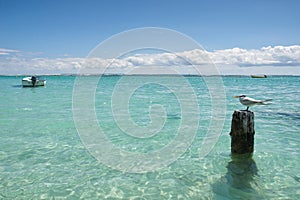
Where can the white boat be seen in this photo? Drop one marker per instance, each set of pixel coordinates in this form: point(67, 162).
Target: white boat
point(258, 76)
point(33, 81)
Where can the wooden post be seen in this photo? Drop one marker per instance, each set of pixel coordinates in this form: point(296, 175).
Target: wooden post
point(242, 132)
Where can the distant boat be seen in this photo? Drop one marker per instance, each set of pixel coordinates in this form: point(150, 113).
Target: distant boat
point(33, 81)
point(258, 76)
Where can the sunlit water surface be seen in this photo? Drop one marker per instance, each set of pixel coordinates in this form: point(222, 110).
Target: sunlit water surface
point(42, 156)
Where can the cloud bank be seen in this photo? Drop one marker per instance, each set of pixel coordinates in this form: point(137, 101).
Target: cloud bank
point(275, 60)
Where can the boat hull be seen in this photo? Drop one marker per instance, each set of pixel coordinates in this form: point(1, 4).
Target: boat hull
point(258, 76)
point(27, 82)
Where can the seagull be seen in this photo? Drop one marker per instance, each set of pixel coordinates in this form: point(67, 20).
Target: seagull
point(247, 101)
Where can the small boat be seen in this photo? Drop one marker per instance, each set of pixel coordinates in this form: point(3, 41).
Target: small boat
point(33, 81)
point(258, 76)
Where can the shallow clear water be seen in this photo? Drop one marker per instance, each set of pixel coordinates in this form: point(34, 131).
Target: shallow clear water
point(42, 155)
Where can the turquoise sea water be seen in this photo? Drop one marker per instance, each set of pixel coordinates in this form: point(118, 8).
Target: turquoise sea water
point(42, 155)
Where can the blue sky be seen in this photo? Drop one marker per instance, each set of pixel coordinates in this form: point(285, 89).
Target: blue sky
point(55, 28)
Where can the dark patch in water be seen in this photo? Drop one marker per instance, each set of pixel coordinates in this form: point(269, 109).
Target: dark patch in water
point(284, 114)
point(296, 178)
point(174, 116)
point(290, 115)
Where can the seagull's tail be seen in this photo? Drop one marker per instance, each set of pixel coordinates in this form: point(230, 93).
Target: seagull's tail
point(266, 102)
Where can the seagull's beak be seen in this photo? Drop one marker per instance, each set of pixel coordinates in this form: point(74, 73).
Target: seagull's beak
point(235, 96)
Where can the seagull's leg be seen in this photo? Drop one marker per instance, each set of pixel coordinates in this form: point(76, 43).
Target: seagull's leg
point(246, 109)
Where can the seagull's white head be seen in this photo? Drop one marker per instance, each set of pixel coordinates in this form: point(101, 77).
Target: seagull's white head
point(241, 96)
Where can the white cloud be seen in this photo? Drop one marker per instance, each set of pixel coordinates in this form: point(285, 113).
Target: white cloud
point(7, 51)
point(278, 55)
point(229, 61)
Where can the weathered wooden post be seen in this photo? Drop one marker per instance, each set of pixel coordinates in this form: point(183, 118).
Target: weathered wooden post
point(242, 132)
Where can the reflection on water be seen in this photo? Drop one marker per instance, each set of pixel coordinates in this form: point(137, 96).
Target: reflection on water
point(241, 172)
point(17, 86)
point(241, 180)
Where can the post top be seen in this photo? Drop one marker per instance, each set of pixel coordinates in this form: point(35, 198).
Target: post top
point(243, 111)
